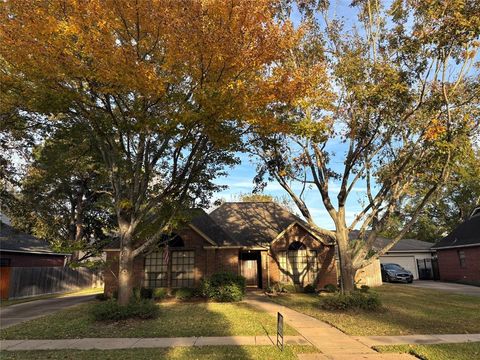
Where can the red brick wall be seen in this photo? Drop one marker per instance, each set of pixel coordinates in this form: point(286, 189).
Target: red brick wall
point(449, 264)
point(192, 241)
point(325, 256)
point(33, 260)
point(209, 261)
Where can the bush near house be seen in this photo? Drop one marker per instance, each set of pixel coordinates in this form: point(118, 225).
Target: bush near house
point(223, 287)
point(111, 310)
point(184, 294)
point(358, 300)
point(159, 293)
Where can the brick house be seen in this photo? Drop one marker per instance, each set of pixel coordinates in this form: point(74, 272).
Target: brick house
point(459, 252)
point(259, 240)
point(22, 250)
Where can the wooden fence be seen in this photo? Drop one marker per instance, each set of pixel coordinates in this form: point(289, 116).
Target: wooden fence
point(33, 281)
point(370, 275)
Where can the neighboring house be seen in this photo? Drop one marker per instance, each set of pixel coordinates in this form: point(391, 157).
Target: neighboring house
point(21, 250)
point(259, 240)
point(459, 252)
point(414, 255)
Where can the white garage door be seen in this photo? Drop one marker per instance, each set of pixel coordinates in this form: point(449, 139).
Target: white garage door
point(407, 262)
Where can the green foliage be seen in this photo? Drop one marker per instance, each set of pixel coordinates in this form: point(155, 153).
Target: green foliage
point(364, 288)
point(309, 289)
point(292, 288)
point(110, 310)
point(184, 293)
point(229, 293)
point(330, 288)
point(280, 287)
point(356, 300)
point(223, 287)
point(160, 293)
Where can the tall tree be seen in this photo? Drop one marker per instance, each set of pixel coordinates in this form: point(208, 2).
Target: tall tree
point(64, 199)
point(453, 203)
point(160, 86)
point(406, 108)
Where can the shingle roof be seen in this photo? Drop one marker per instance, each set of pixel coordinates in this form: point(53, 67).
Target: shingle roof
point(201, 221)
point(253, 223)
point(403, 245)
point(408, 245)
point(241, 223)
point(204, 222)
point(465, 234)
point(13, 240)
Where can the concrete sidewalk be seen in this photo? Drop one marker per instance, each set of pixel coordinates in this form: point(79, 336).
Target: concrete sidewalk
point(417, 339)
point(333, 343)
point(132, 343)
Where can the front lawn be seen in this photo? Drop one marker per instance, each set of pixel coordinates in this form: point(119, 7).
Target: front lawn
point(465, 351)
point(176, 320)
point(407, 310)
point(178, 353)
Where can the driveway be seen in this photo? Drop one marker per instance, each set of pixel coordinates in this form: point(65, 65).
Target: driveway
point(450, 287)
point(18, 313)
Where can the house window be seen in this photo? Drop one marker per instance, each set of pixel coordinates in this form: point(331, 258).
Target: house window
point(461, 258)
point(156, 270)
point(183, 269)
point(299, 265)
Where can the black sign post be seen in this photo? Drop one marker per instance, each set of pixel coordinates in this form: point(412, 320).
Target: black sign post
point(280, 331)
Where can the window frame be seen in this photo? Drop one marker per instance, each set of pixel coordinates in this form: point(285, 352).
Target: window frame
point(154, 282)
point(308, 258)
point(187, 276)
point(462, 258)
point(171, 274)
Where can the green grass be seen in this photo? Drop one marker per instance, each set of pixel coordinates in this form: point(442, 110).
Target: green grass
point(465, 351)
point(179, 353)
point(406, 311)
point(5, 303)
point(176, 320)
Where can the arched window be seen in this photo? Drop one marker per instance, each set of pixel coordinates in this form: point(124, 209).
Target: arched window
point(299, 265)
point(296, 245)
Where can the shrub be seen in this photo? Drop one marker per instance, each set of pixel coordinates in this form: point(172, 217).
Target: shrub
point(356, 300)
point(143, 309)
point(136, 294)
point(364, 288)
point(159, 293)
point(184, 293)
point(270, 289)
point(309, 289)
point(102, 297)
point(291, 288)
point(112, 310)
point(223, 287)
point(330, 288)
point(229, 293)
point(146, 293)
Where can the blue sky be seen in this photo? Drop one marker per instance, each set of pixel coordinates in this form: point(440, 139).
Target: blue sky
point(240, 178)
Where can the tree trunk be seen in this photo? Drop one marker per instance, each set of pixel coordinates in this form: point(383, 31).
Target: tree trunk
point(347, 271)
point(125, 270)
point(125, 275)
